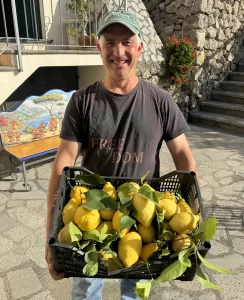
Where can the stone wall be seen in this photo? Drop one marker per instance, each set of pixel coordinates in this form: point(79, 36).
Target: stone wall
point(215, 26)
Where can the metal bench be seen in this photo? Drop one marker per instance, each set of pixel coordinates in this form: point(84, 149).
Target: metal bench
point(30, 132)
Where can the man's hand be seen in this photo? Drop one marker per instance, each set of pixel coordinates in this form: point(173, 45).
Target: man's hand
point(55, 275)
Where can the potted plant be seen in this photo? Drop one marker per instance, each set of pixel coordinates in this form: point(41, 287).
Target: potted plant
point(76, 27)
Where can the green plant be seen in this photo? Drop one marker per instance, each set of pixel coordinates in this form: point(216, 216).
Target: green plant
point(180, 59)
point(79, 7)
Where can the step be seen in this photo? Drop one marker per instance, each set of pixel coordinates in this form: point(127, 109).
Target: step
point(225, 96)
point(240, 67)
point(229, 124)
point(234, 86)
point(230, 109)
point(236, 76)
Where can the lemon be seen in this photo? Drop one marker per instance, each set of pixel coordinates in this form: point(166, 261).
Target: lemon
point(181, 242)
point(147, 233)
point(112, 266)
point(184, 222)
point(77, 193)
point(107, 214)
point(129, 248)
point(108, 223)
point(169, 206)
point(184, 206)
point(168, 195)
point(64, 236)
point(116, 223)
point(144, 210)
point(86, 219)
point(130, 193)
point(69, 211)
point(147, 251)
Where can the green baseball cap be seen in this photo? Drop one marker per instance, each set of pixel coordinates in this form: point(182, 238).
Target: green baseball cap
point(122, 17)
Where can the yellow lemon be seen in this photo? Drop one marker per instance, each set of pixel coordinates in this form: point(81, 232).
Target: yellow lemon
point(184, 206)
point(181, 242)
point(147, 251)
point(69, 211)
point(169, 206)
point(112, 266)
point(77, 193)
point(108, 223)
point(107, 214)
point(64, 236)
point(144, 210)
point(116, 223)
point(129, 248)
point(168, 195)
point(184, 222)
point(86, 219)
point(147, 233)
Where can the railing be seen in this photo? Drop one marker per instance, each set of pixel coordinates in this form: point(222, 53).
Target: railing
point(52, 24)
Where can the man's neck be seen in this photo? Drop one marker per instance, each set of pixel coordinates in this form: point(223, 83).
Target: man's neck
point(120, 86)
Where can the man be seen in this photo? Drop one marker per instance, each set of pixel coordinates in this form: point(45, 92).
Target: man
point(118, 125)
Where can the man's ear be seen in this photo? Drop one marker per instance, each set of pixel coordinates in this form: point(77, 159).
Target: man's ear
point(140, 47)
point(98, 46)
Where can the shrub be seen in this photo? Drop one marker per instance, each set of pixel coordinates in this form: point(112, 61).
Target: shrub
point(180, 59)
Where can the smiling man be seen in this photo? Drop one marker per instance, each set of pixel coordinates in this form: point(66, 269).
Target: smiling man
point(119, 125)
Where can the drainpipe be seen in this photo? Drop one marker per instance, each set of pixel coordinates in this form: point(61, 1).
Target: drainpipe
point(16, 31)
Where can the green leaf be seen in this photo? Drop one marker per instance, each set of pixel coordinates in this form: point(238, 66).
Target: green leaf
point(107, 242)
point(143, 289)
point(183, 257)
point(95, 235)
point(204, 281)
point(92, 179)
point(126, 222)
point(91, 258)
point(97, 199)
point(213, 267)
point(206, 230)
point(165, 252)
point(90, 269)
point(124, 199)
point(84, 244)
point(75, 233)
point(147, 193)
point(125, 208)
point(173, 271)
point(144, 177)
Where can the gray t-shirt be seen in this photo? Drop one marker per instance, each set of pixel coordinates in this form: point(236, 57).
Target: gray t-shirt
point(121, 135)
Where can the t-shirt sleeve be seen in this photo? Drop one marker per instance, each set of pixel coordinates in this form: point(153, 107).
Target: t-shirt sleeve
point(73, 125)
point(174, 121)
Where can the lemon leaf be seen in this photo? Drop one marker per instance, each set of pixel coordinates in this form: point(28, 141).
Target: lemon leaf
point(123, 199)
point(143, 289)
point(183, 257)
point(107, 241)
point(173, 271)
point(125, 208)
point(204, 280)
point(126, 222)
point(213, 267)
point(206, 230)
point(144, 177)
point(146, 192)
point(91, 258)
point(165, 252)
point(97, 199)
point(95, 235)
point(75, 233)
point(92, 179)
point(84, 244)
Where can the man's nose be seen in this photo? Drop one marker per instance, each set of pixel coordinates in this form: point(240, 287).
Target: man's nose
point(119, 49)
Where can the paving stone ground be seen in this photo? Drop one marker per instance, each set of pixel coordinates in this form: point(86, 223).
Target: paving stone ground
point(219, 156)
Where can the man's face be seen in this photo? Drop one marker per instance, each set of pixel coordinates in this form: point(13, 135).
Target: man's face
point(119, 49)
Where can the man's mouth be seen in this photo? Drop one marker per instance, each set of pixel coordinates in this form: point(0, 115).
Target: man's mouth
point(120, 62)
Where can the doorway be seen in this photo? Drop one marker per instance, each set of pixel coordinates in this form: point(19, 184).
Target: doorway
point(29, 20)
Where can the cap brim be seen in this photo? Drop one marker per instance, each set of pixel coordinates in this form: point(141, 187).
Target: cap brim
point(132, 28)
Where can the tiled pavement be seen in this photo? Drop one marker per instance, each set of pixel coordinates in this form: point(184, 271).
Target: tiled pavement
point(219, 156)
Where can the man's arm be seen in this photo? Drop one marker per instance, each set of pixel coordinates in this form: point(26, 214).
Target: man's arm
point(181, 154)
point(66, 156)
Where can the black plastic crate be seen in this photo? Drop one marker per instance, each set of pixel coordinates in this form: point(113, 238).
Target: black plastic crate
point(70, 260)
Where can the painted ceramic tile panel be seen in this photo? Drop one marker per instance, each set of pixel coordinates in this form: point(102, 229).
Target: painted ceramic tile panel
point(35, 118)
